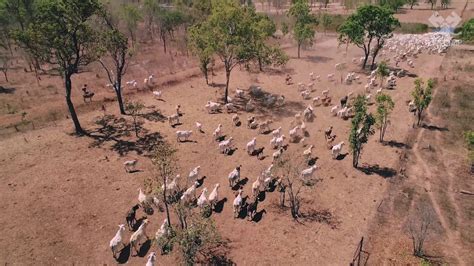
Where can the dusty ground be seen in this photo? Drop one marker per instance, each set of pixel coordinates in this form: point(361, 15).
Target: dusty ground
point(64, 196)
point(437, 172)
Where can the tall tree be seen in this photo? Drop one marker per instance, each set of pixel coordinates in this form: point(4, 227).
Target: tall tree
point(115, 45)
point(422, 96)
point(367, 25)
point(385, 106)
point(61, 36)
point(382, 71)
point(303, 30)
point(361, 128)
point(131, 16)
point(200, 45)
point(229, 35)
point(168, 22)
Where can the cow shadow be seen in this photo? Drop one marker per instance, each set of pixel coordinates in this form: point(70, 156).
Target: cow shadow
point(219, 207)
point(258, 216)
point(144, 248)
point(240, 184)
point(124, 255)
point(341, 157)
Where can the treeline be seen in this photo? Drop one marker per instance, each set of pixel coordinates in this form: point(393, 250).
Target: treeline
point(64, 36)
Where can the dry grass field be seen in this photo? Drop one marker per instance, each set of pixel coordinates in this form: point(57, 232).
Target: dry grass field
point(62, 196)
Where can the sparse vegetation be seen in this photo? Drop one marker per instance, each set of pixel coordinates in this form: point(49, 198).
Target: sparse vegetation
point(303, 30)
point(385, 106)
point(467, 31)
point(422, 96)
point(134, 109)
point(361, 128)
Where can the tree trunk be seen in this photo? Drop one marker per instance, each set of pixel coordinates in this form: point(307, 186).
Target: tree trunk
point(411, 6)
point(5, 74)
point(118, 91)
point(260, 64)
point(419, 117)
point(355, 158)
point(70, 105)
point(365, 60)
point(227, 76)
point(164, 43)
point(299, 48)
point(165, 200)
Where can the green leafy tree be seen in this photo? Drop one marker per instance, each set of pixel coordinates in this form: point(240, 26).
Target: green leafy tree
point(369, 25)
point(303, 30)
point(115, 45)
point(61, 35)
point(151, 9)
point(131, 17)
point(285, 28)
point(395, 5)
point(412, 3)
point(422, 96)
point(200, 43)
point(432, 3)
point(231, 36)
point(168, 22)
point(326, 21)
point(467, 31)
point(20, 12)
point(382, 71)
point(385, 106)
point(263, 28)
point(361, 128)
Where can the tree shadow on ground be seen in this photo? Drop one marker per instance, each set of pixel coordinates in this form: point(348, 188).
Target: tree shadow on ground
point(154, 116)
point(433, 128)
point(113, 129)
point(216, 254)
point(321, 216)
point(396, 144)
point(7, 90)
point(385, 172)
point(317, 59)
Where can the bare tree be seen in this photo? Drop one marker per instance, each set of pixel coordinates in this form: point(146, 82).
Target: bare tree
point(289, 169)
point(166, 165)
point(419, 226)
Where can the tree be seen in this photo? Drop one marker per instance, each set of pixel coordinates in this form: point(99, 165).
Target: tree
point(131, 16)
point(230, 36)
point(413, 3)
point(285, 28)
point(165, 162)
point(326, 20)
point(432, 2)
point(420, 224)
point(385, 106)
point(369, 23)
point(303, 30)
point(201, 46)
point(422, 96)
point(60, 34)
point(445, 3)
point(289, 168)
point(263, 28)
point(115, 45)
point(200, 237)
point(134, 109)
point(395, 5)
point(168, 21)
point(467, 31)
point(382, 71)
point(361, 128)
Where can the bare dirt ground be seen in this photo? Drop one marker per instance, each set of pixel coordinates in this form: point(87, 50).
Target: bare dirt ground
point(437, 171)
point(63, 196)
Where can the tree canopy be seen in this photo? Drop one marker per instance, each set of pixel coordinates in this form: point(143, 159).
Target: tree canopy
point(367, 25)
point(60, 34)
point(236, 35)
point(303, 30)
